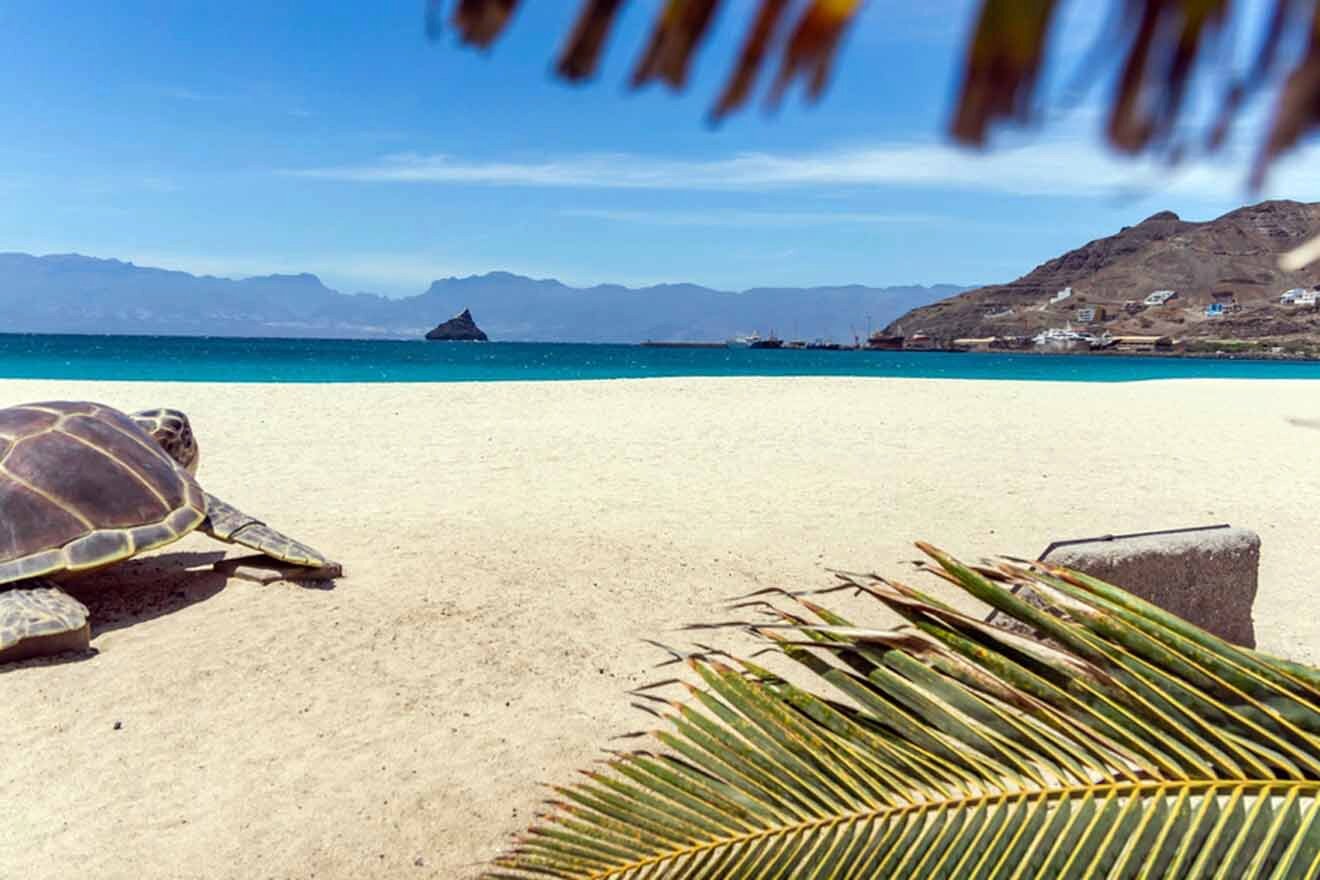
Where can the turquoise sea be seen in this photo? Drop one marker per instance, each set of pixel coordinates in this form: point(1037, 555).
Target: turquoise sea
point(211, 359)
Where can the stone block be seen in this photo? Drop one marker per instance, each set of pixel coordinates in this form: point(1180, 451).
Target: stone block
point(1204, 575)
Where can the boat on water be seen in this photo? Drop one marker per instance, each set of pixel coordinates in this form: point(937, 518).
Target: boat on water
point(755, 340)
point(822, 345)
point(744, 341)
point(880, 341)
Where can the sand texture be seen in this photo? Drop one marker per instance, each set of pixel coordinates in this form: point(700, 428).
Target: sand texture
point(506, 548)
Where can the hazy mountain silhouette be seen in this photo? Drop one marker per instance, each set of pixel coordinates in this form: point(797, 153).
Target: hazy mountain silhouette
point(70, 293)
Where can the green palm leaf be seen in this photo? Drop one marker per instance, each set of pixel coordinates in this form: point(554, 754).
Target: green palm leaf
point(1120, 742)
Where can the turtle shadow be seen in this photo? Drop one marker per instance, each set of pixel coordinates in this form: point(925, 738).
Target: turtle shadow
point(59, 659)
point(134, 591)
point(143, 589)
point(149, 587)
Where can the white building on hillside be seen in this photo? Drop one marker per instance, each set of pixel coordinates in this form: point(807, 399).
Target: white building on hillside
point(1061, 295)
point(1160, 297)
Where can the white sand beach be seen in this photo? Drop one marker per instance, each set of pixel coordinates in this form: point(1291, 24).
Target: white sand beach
point(508, 545)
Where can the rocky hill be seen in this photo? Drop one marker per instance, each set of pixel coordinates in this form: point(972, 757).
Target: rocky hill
point(1232, 260)
point(460, 328)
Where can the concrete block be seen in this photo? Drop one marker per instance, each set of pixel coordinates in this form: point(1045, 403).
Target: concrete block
point(1204, 575)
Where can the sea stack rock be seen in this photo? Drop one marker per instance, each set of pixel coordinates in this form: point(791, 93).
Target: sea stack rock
point(460, 328)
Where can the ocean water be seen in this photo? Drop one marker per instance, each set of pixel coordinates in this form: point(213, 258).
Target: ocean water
point(213, 359)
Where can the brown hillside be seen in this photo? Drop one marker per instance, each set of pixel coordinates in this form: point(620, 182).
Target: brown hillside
point(1232, 259)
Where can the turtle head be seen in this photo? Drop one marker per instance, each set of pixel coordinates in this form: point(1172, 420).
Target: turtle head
point(171, 430)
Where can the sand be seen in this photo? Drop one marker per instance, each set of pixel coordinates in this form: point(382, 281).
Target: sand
point(507, 547)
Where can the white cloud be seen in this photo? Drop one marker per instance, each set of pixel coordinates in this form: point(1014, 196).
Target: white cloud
point(183, 93)
point(1053, 167)
point(156, 183)
point(743, 219)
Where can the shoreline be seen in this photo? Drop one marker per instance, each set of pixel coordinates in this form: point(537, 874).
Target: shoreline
point(676, 344)
point(201, 359)
point(1188, 355)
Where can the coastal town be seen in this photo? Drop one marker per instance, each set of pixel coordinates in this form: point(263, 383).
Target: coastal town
point(1169, 286)
point(1082, 329)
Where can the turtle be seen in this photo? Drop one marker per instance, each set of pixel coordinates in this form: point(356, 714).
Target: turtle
point(84, 485)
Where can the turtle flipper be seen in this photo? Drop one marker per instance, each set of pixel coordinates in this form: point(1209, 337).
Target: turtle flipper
point(228, 523)
point(38, 618)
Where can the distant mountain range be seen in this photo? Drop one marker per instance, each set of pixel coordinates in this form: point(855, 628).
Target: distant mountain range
point(70, 293)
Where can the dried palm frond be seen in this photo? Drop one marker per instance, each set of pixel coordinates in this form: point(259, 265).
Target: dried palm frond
point(579, 58)
point(1119, 742)
point(481, 21)
point(678, 32)
point(680, 27)
point(756, 45)
point(1156, 49)
point(1002, 66)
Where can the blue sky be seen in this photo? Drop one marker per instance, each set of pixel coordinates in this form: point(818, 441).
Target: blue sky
point(242, 138)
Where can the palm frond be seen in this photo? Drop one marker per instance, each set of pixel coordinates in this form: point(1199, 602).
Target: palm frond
point(1155, 49)
point(806, 50)
point(1118, 741)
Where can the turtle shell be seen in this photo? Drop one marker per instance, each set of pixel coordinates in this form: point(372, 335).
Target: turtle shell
point(82, 485)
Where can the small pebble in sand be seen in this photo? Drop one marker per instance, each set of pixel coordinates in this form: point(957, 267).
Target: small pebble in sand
point(119, 725)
